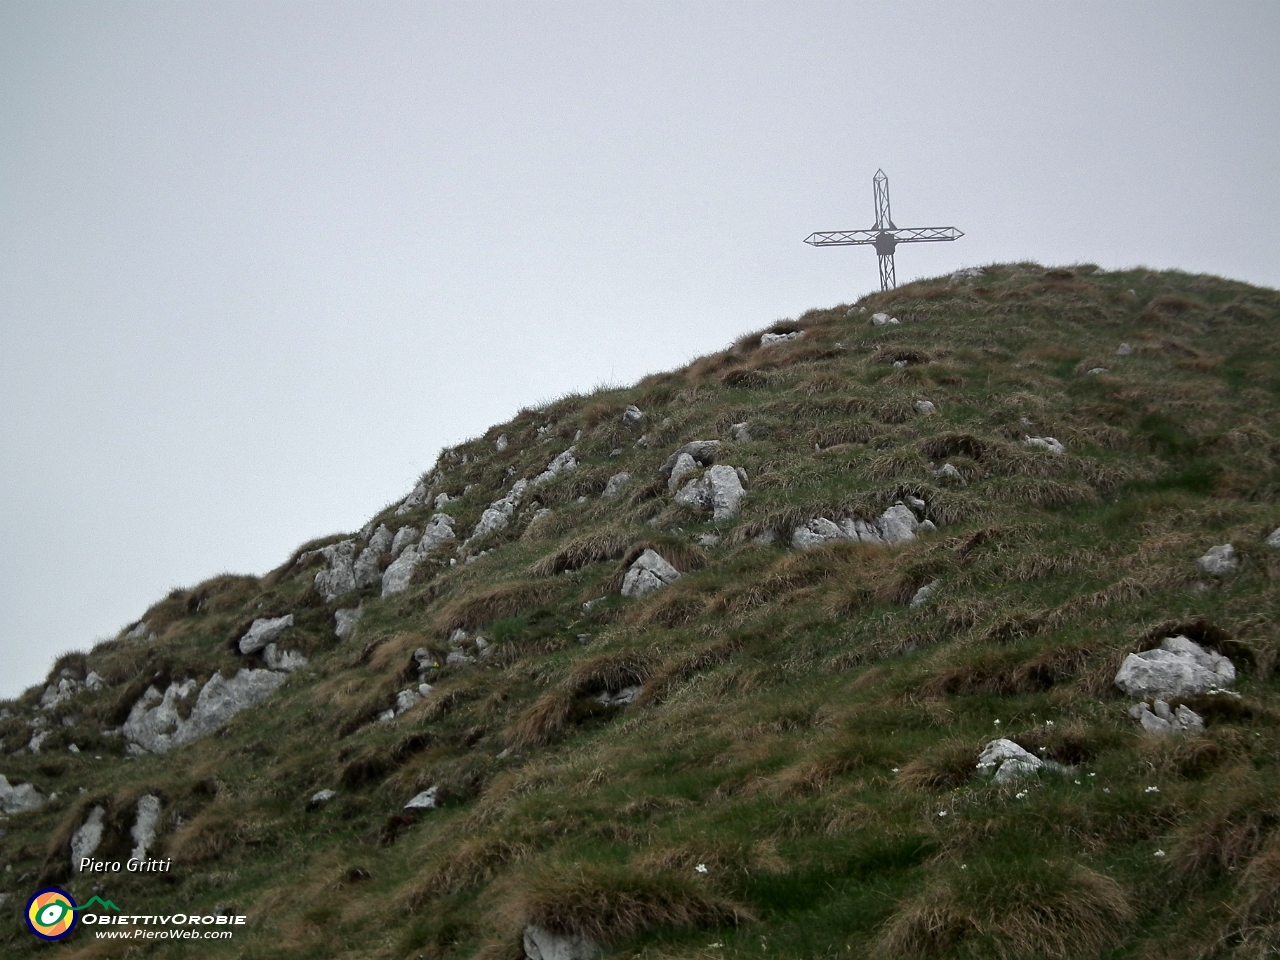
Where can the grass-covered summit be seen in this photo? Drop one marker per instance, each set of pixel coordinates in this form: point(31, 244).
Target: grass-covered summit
point(795, 774)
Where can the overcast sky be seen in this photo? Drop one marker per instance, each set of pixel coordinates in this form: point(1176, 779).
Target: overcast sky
point(260, 261)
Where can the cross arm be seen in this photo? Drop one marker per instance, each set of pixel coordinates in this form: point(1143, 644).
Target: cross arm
point(843, 238)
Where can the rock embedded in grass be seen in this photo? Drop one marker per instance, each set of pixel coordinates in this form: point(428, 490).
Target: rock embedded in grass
point(145, 821)
point(615, 484)
point(262, 632)
point(898, 524)
point(19, 798)
point(426, 800)
point(338, 577)
point(1273, 541)
point(883, 320)
point(718, 490)
point(1044, 443)
point(155, 724)
point(541, 944)
point(1007, 761)
point(1163, 721)
point(395, 579)
point(649, 572)
point(632, 415)
point(1178, 668)
point(1220, 560)
point(345, 621)
point(772, 339)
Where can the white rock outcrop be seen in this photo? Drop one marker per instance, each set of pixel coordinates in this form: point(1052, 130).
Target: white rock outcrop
point(771, 339)
point(615, 485)
point(155, 724)
point(883, 320)
point(366, 568)
point(1124, 350)
point(649, 572)
point(540, 944)
point(20, 798)
point(338, 576)
point(703, 453)
point(1007, 761)
point(1273, 541)
point(416, 498)
point(1220, 560)
point(395, 579)
point(145, 821)
point(683, 466)
point(924, 407)
point(322, 796)
point(262, 632)
point(898, 524)
point(1044, 443)
point(718, 490)
point(1178, 668)
point(501, 443)
point(404, 536)
point(426, 800)
point(85, 841)
point(1165, 722)
point(922, 595)
point(285, 660)
point(56, 693)
point(499, 513)
point(740, 432)
point(632, 415)
point(561, 464)
point(345, 621)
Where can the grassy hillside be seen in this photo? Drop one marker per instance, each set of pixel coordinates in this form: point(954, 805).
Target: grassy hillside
point(796, 777)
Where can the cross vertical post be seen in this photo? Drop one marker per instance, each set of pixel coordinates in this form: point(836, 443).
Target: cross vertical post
point(884, 236)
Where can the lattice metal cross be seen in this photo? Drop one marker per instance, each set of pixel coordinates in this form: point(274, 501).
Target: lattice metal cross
point(884, 236)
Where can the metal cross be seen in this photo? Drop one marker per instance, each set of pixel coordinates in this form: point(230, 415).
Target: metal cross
point(884, 236)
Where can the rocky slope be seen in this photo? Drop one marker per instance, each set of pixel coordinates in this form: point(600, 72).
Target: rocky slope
point(939, 624)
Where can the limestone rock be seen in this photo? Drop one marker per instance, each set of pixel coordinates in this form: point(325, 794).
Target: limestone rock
point(883, 320)
point(396, 577)
point(501, 443)
point(1007, 761)
point(540, 944)
point(632, 415)
point(703, 453)
point(138, 632)
point(64, 689)
point(922, 595)
point(683, 466)
point(740, 432)
point(948, 472)
point(618, 698)
point(649, 572)
point(366, 567)
point(615, 484)
point(718, 490)
point(84, 842)
point(498, 513)
point(155, 724)
point(770, 339)
point(144, 825)
point(441, 500)
point(404, 536)
point(924, 407)
point(561, 464)
point(966, 273)
point(1219, 560)
point(1178, 668)
point(426, 800)
point(898, 524)
point(1273, 541)
point(1124, 350)
point(1094, 371)
point(1044, 443)
point(338, 577)
point(286, 660)
point(1164, 722)
point(322, 796)
point(93, 682)
point(416, 498)
point(346, 621)
point(262, 632)
point(16, 799)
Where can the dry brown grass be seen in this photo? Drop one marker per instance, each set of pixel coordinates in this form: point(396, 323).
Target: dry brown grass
point(480, 608)
point(946, 766)
point(581, 551)
point(1060, 912)
point(474, 861)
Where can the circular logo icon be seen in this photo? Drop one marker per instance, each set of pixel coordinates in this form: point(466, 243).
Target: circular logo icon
point(51, 913)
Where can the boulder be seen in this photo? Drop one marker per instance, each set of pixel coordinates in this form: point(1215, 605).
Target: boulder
point(683, 466)
point(1164, 722)
point(285, 660)
point(439, 531)
point(501, 443)
point(498, 513)
point(718, 490)
point(632, 415)
point(948, 472)
point(1178, 668)
point(561, 464)
point(896, 525)
point(426, 800)
point(416, 498)
point(138, 632)
point(615, 484)
point(618, 698)
point(649, 572)
point(1007, 761)
point(883, 320)
point(924, 407)
point(1124, 350)
point(770, 339)
point(94, 682)
point(542, 944)
point(322, 796)
point(155, 724)
point(144, 825)
point(338, 577)
point(922, 595)
point(346, 620)
point(54, 694)
point(1044, 443)
point(702, 451)
point(740, 432)
point(404, 536)
point(366, 568)
point(17, 799)
point(1220, 560)
point(84, 842)
point(1273, 541)
point(262, 632)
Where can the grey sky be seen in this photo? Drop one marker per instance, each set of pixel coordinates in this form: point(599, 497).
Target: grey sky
point(260, 261)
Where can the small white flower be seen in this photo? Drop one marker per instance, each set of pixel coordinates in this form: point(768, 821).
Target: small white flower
point(1020, 795)
point(1106, 789)
point(1159, 853)
point(701, 868)
point(895, 769)
point(964, 866)
point(997, 723)
point(942, 813)
point(716, 944)
point(1093, 774)
point(1048, 723)
point(1077, 783)
point(1151, 790)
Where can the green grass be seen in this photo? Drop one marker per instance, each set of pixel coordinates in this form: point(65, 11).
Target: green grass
point(800, 728)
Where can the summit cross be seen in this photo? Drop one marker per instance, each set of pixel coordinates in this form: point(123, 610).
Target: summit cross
point(884, 236)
